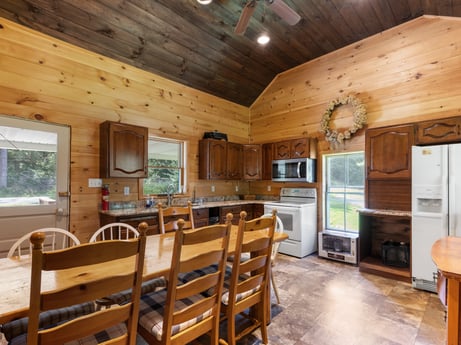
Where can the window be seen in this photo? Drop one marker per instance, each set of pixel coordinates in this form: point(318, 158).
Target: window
point(344, 183)
point(166, 167)
point(28, 167)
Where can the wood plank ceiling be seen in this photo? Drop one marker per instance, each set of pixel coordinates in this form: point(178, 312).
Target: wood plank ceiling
point(195, 44)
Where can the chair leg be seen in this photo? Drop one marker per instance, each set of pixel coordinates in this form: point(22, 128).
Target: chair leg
point(231, 339)
point(275, 287)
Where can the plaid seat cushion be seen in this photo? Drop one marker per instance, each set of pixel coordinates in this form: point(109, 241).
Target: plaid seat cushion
point(123, 297)
point(240, 296)
point(189, 276)
point(47, 319)
point(152, 309)
point(98, 338)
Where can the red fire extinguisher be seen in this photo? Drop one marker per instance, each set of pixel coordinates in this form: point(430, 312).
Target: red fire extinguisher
point(105, 197)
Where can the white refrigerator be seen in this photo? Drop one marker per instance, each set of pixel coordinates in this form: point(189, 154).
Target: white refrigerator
point(436, 206)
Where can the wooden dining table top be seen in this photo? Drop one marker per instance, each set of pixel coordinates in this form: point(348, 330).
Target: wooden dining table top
point(15, 273)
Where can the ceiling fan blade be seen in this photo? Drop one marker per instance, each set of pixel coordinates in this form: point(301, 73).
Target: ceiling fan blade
point(284, 11)
point(244, 19)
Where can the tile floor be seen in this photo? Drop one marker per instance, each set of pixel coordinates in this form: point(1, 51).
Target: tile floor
point(324, 302)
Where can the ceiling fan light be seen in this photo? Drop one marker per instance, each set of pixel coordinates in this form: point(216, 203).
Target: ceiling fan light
point(263, 39)
point(204, 2)
point(284, 11)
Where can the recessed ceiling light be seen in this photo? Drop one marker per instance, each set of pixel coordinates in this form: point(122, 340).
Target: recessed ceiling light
point(263, 39)
point(204, 2)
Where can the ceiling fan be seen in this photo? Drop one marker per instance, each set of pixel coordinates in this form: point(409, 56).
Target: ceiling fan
point(277, 6)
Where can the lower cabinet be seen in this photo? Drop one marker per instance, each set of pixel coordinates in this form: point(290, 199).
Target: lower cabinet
point(201, 217)
point(385, 242)
point(150, 219)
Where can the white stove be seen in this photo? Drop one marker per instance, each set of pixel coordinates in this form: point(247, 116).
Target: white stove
point(297, 209)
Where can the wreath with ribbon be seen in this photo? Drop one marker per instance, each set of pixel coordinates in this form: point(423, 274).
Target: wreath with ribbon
point(359, 119)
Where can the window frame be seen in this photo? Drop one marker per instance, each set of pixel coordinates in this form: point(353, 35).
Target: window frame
point(326, 192)
point(183, 167)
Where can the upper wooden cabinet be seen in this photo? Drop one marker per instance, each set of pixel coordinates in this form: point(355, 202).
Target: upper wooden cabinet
point(220, 160)
point(212, 159)
point(267, 156)
point(388, 152)
point(438, 131)
point(252, 162)
point(296, 148)
point(123, 150)
point(234, 161)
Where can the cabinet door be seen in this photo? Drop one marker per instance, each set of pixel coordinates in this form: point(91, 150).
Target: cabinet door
point(438, 131)
point(388, 152)
point(300, 148)
point(235, 210)
point(234, 161)
point(123, 150)
point(267, 157)
point(282, 150)
point(252, 162)
point(212, 159)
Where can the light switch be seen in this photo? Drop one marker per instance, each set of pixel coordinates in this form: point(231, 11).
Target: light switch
point(94, 182)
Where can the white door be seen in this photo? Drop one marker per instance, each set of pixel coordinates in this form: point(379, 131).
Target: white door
point(34, 178)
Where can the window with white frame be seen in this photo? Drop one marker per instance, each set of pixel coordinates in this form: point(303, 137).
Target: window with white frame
point(344, 185)
point(166, 167)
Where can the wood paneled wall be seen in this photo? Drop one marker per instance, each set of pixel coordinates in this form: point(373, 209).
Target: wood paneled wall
point(46, 79)
point(406, 74)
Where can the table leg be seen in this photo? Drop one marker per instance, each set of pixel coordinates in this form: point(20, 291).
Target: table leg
point(453, 307)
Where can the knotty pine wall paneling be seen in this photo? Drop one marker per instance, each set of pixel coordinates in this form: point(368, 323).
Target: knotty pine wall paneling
point(406, 74)
point(45, 79)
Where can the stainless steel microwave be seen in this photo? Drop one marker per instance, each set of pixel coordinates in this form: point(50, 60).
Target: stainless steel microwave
point(294, 170)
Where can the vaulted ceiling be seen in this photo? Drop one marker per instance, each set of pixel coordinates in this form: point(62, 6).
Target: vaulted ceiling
point(195, 44)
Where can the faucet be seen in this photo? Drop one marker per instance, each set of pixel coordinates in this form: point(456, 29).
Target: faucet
point(169, 193)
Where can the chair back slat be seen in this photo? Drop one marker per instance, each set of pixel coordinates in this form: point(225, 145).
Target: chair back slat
point(98, 269)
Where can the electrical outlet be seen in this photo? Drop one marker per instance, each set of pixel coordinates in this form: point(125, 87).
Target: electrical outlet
point(213, 189)
point(126, 190)
point(269, 188)
point(236, 188)
point(94, 182)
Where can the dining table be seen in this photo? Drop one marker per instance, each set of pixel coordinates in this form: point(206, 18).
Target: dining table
point(15, 273)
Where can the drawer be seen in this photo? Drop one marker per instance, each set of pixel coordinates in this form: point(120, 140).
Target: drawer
point(201, 213)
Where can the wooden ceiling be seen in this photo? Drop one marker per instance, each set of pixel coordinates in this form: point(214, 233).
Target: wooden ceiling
point(195, 44)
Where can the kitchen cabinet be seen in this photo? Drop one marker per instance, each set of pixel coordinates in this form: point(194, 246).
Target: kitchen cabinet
point(201, 216)
point(296, 148)
point(123, 150)
point(438, 131)
point(234, 209)
point(267, 155)
point(220, 160)
point(377, 227)
point(252, 162)
point(150, 218)
point(234, 161)
point(388, 152)
point(212, 159)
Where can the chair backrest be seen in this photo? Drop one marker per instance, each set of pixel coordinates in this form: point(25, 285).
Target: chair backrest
point(114, 231)
point(88, 284)
point(256, 265)
point(55, 238)
point(168, 217)
point(278, 228)
point(197, 249)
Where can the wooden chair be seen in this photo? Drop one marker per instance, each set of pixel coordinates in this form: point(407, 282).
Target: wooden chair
point(248, 293)
point(123, 231)
point(114, 231)
point(185, 311)
point(168, 217)
point(275, 249)
point(55, 238)
point(117, 323)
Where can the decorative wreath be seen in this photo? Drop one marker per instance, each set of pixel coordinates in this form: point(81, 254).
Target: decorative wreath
point(359, 119)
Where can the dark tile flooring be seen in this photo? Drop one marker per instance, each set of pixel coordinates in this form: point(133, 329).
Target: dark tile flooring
point(324, 302)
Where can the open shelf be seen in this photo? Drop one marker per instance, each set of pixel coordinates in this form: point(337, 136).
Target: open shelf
point(375, 266)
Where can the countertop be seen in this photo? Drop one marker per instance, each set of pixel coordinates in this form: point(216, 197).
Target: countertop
point(394, 213)
point(154, 210)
